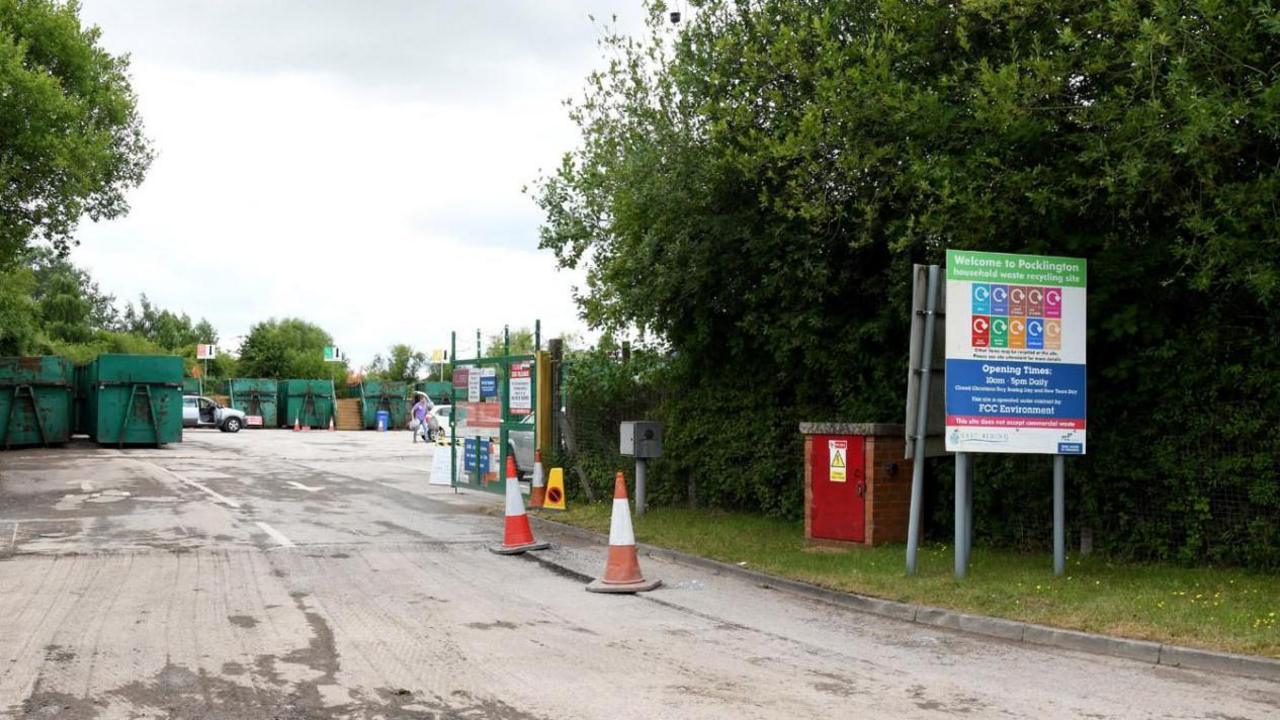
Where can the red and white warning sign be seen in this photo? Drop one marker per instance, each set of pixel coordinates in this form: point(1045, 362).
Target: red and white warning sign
point(520, 401)
point(839, 453)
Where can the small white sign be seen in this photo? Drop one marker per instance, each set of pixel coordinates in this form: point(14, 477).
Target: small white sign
point(440, 469)
point(206, 352)
point(839, 452)
point(520, 400)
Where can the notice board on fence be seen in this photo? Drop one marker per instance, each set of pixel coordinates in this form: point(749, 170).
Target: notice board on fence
point(1015, 363)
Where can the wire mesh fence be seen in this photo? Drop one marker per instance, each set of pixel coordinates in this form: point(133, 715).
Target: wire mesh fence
point(1211, 495)
point(596, 396)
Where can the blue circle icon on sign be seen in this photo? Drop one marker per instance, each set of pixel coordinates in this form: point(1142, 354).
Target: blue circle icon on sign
point(1034, 327)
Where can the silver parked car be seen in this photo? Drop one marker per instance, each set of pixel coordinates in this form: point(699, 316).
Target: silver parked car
point(520, 445)
point(439, 420)
point(202, 412)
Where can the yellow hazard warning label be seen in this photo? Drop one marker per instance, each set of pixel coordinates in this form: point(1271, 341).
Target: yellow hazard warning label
point(838, 450)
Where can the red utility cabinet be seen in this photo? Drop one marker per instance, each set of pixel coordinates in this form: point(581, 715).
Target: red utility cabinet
point(839, 488)
point(857, 485)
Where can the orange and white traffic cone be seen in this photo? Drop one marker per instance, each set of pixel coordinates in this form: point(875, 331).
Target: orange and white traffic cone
point(330, 423)
point(518, 536)
point(297, 426)
point(622, 569)
point(538, 493)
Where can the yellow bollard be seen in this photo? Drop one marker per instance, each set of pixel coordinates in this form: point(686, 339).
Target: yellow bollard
point(555, 490)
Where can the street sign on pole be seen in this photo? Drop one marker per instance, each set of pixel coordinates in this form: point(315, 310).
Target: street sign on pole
point(1015, 363)
point(332, 353)
point(206, 351)
point(1015, 372)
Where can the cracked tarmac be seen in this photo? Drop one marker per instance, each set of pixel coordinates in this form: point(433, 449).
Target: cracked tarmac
point(270, 574)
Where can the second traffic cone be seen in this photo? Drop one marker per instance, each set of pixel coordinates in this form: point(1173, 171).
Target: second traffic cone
point(517, 535)
point(330, 423)
point(537, 495)
point(622, 569)
point(297, 426)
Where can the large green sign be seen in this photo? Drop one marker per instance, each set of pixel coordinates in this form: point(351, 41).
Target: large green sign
point(973, 266)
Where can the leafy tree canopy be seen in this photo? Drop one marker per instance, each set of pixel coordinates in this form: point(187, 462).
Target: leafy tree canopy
point(71, 139)
point(753, 186)
point(521, 343)
point(402, 364)
point(165, 328)
point(289, 348)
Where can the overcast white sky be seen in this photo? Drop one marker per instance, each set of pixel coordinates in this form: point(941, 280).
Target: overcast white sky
point(355, 164)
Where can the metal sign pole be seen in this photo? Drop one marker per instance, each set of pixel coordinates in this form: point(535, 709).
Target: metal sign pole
point(453, 414)
point(922, 423)
point(962, 491)
point(640, 480)
point(1059, 515)
point(971, 477)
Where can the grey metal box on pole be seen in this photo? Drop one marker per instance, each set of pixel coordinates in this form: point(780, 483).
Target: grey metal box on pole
point(641, 439)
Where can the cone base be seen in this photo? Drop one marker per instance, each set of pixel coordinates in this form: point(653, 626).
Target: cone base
point(517, 549)
point(600, 586)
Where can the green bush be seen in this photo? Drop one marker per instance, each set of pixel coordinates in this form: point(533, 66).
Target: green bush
point(753, 186)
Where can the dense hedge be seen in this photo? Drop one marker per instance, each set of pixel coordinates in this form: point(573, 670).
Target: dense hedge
point(753, 187)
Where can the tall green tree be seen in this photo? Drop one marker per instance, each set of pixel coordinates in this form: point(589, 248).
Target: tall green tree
point(289, 348)
point(402, 364)
point(71, 139)
point(753, 187)
point(19, 325)
point(521, 343)
point(164, 327)
point(50, 303)
point(56, 275)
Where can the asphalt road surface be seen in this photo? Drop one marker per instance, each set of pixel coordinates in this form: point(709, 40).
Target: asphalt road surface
point(272, 574)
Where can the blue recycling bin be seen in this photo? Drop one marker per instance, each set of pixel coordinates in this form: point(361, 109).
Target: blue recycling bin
point(384, 420)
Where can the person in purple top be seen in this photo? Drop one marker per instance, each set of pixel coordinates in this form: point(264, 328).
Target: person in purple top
point(419, 422)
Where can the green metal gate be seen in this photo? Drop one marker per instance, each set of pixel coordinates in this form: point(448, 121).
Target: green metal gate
point(494, 403)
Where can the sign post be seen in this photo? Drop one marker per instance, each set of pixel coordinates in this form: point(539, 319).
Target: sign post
point(205, 352)
point(1015, 369)
point(924, 313)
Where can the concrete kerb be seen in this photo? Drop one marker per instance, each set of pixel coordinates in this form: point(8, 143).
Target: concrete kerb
point(1008, 630)
point(1229, 663)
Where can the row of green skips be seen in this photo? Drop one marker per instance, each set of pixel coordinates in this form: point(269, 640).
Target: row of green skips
point(137, 400)
point(115, 400)
point(312, 403)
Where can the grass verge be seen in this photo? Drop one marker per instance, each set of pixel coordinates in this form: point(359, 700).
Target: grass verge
point(1216, 608)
